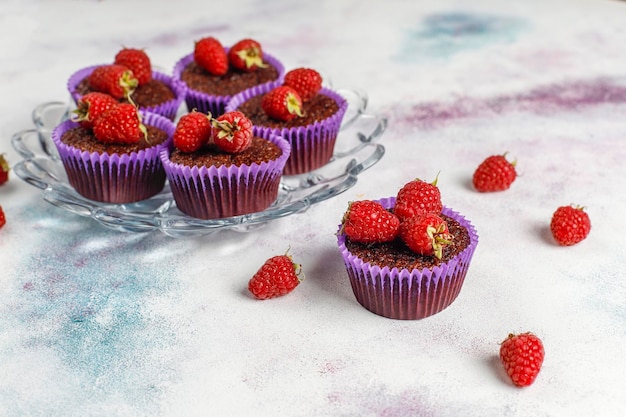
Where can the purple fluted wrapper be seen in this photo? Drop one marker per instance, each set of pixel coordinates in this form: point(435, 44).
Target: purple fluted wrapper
point(404, 294)
point(115, 178)
point(215, 104)
point(168, 108)
point(312, 146)
point(217, 192)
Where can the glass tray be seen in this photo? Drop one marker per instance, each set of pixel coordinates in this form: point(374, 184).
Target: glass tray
point(356, 150)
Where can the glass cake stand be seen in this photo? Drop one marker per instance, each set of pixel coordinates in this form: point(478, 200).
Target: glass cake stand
point(356, 150)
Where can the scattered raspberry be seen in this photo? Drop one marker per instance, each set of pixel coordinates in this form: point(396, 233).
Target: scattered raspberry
point(278, 276)
point(426, 234)
point(282, 103)
point(306, 81)
point(417, 197)
point(90, 106)
point(4, 169)
point(3, 219)
point(193, 130)
point(522, 356)
point(232, 132)
point(116, 80)
point(210, 55)
point(570, 225)
point(246, 55)
point(137, 61)
point(368, 221)
point(120, 124)
point(494, 174)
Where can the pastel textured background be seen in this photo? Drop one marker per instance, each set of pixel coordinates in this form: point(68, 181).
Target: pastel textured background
point(95, 322)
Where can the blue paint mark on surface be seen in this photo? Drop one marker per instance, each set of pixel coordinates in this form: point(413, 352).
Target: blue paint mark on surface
point(443, 35)
point(90, 314)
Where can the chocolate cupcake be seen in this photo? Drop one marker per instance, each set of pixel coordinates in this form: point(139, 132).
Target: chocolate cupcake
point(161, 95)
point(312, 136)
point(209, 93)
point(209, 182)
point(110, 172)
point(392, 281)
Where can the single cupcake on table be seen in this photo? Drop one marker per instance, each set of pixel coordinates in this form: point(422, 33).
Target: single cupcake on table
point(308, 115)
point(110, 150)
point(131, 78)
point(213, 73)
point(217, 167)
point(406, 256)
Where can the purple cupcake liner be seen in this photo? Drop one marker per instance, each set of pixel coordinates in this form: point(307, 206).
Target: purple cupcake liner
point(115, 178)
point(214, 104)
point(404, 294)
point(219, 192)
point(312, 146)
point(168, 109)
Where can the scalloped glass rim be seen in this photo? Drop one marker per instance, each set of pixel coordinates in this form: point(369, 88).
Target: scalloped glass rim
point(356, 150)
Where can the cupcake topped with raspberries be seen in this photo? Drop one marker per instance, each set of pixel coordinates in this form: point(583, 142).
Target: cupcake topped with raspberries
point(218, 168)
point(110, 150)
point(301, 110)
point(213, 73)
point(406, 256)
point(131, 78)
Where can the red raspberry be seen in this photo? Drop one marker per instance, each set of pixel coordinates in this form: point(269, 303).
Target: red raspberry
point(232, 132)
point(90, 106)
point(426, 234)
point(116, 80)
point(193, 130)
point(3, 219)
point(494, 174)
point(120, 124)
point(137, 61)
point(210, 55)
point(278, 276)
point(522, 356)
point(306, 81)
point(417, 197)
point(246, 55)
point(282, 103)
point(570, 225)
point(368, 221)
point(4, 170)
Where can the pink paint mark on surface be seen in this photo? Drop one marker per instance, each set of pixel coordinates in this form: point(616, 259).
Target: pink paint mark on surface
point(544, 100)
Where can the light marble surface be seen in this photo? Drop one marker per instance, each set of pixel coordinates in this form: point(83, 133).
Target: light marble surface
point(95, 322)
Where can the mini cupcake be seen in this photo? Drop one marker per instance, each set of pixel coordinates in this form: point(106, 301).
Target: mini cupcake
point(392, 280)
point(213, 74)
point(217, 168)
point(130, 78)
point(106, 163)
point(306, 114)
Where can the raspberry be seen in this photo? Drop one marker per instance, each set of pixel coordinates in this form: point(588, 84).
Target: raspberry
point(193, 130)
point(570, 225)
point(418, 197)
point(522, 356)
point(4, 169)
point(232, 132)
point(368, 221)
point(306, 81)
point(137, 61)
point(116, 80)
point(426, 234)
point(278, 276)
point(246, 55)
point(494, 174)
point(282, 103)
point(120, 124)
point(210, 55)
